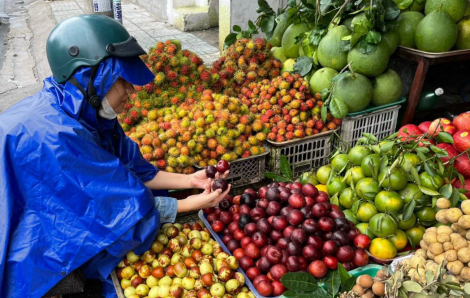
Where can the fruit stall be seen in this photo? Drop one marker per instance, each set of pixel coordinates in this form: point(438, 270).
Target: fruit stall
point(331, 195)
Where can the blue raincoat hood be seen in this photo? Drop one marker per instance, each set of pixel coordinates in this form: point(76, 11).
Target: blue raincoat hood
point(71, 186)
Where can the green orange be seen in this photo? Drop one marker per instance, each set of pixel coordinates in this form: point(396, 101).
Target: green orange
point(382, 248)
point(426, 216)
point(366, 211)
point(357, 154)
point(367, 188)
point(395, 180)
point(415, 234)
point(382, 225)
point(347, 198)
point(340, 162)
point(408, 224)
point(354, 175)
point(308, 177)
point(399, 239)
point(410, 192)
point(323, 174)
point(434, 183)
point(388, 201)
point(335, 186)
point(369, 163)
point(409, 160)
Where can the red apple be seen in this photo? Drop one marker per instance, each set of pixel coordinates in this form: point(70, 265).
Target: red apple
point(425, 126)
point(462, 165)
point(409, 133)
point(462, 121)
point(458, 184)
point(451, 152)
point(462, 140)
point(441, 124)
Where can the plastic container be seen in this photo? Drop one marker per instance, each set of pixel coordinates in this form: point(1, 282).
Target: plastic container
point(380, 123)
point(303, 154)
point(246, 171)
point(370, 270)
point(395, 262)
point(218, 238)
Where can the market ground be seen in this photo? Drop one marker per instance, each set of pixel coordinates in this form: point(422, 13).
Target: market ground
point(26, 24)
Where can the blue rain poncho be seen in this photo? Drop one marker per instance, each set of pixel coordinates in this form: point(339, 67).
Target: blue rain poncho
point(72, 187)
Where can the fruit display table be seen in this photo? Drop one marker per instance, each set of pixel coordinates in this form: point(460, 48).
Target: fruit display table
point(424, 60)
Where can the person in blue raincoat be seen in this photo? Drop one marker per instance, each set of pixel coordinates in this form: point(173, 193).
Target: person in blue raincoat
point(75, 192)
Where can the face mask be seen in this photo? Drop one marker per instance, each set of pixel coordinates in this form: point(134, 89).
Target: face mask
point(107, 111)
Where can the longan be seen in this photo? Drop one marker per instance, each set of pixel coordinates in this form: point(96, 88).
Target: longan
point(365, 281)
point(358, 289)
point(378, 288)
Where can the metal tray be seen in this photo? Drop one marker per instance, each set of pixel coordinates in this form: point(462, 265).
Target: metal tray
point(322, 134)
point(431, 55)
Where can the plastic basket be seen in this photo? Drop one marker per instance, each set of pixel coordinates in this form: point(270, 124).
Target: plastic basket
point(380, 123)
point(303, 154)
point(248, 170)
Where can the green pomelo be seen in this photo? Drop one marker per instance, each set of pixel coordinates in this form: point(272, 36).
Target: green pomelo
point(322, 79)
point(288, 65)
point(387, 88)
point(278, 53)
point(463, 37)
point(291, 49)
point(417, 7)
point(355, 90)
point(437, 32)
point(281, 27)
point(455, 8)
point(392, 39)
point(348, 23)
point(329, 52)
point(358, 19)
point(407, 23)
point(372, 64)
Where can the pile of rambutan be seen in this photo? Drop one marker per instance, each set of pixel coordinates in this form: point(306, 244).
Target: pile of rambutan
point(244, 62)
point(200, 133)
point(179, 75)
point(287, 108)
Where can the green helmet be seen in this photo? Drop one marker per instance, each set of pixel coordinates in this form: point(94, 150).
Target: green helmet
point(86, 40)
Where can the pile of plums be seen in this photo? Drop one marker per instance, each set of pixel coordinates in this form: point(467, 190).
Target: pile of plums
point(286, 228)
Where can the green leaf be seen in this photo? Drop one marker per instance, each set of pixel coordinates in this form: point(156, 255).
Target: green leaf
point(308, 5)
point(408, 210)
point(367, 48)
point(423, 150)
point(324, 112)
point(412, 286)
point(237, 28)
point(359, 32)
point(454, 199)
point(421, 156)
point(291, 3)
point(303, 65)
point(333, 282)
point(267, 24)
point(415, 175)
point(285, 168)
point(338, 108)
point(429, 170)
point(324, 5)
point(298, 281)
point(276, 177)
point(370, 136)
point(446, 191)
point(445, 137)
point(343, 273)
point(349, 284)
point(373, 37)
point(264, 7)
point(391, 10)
point(428, 191)
point(334, 200)
point(386, 146)
point(355, 206)
point(230, 40)
point(339, 76)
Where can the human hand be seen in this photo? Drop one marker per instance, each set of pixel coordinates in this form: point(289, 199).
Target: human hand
point(207, 199)
point(199, 179)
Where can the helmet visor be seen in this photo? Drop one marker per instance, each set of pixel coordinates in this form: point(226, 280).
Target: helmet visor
point(135, 71)
point(127, 48)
